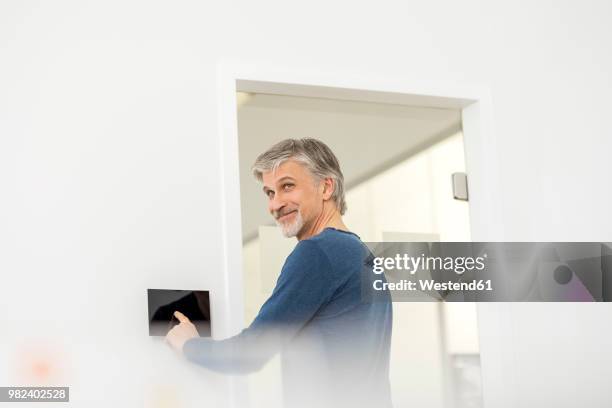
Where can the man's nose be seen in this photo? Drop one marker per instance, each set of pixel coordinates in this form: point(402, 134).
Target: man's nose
point(275, 204)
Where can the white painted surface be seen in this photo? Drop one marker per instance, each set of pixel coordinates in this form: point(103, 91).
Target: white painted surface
point(460, 328)
point(110, 165)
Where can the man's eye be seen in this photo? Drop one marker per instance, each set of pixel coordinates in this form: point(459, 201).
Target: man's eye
point(269, 193)
point(287, 186)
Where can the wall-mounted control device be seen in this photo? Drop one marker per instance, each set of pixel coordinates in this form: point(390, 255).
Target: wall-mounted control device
point(195, 304)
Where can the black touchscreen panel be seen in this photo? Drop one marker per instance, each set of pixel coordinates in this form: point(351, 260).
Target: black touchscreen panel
point(195, 304)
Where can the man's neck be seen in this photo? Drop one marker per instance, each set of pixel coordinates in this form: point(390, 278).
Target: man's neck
point(330, 218)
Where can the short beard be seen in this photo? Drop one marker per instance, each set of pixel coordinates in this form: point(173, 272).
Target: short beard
point(292, 229)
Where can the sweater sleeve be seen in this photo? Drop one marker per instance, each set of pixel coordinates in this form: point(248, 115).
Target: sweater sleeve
point(305, 284)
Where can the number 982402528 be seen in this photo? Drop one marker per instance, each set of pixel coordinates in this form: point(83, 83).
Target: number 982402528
point(34, 394)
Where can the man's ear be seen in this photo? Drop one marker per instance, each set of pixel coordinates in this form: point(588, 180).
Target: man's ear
point(328, 188)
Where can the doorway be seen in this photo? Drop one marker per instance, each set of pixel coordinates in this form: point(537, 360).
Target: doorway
point(410, 161)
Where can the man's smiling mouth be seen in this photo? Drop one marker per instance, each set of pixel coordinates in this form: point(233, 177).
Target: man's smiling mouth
point(280, 218)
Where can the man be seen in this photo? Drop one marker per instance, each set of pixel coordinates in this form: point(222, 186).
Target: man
point(333, 337)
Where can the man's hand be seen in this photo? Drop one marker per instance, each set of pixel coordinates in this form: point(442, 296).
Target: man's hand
point(180, 333)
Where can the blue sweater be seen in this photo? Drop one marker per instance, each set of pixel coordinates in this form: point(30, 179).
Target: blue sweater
point(333, 338)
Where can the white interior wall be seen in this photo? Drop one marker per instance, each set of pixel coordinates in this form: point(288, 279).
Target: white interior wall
point(109, 166)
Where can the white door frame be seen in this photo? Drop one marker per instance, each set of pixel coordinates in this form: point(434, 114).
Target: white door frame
point(474, 101)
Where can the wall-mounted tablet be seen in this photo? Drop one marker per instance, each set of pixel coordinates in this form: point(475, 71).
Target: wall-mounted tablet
point(195, 304)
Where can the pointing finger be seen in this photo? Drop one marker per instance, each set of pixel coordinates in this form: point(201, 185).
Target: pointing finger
point(181, 317)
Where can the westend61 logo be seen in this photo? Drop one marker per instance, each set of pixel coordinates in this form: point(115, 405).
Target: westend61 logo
point(412, 264)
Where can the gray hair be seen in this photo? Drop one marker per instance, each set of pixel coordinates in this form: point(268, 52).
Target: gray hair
point(315, 155)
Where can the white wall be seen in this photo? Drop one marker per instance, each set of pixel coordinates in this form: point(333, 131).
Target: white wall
point(413, 197)
point(109, 166)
